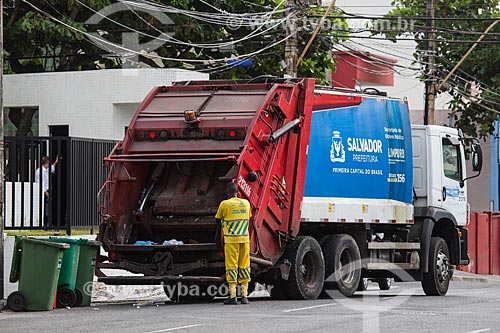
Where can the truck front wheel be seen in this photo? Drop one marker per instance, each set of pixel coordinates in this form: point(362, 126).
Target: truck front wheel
point(343, 263)
point(307, 272)
point(436, 281)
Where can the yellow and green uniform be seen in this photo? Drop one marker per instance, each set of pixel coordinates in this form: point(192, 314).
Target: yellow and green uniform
point(235, 214)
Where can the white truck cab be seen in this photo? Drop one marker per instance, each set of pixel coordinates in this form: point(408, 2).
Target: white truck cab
point(439, 170)
point(440, 201)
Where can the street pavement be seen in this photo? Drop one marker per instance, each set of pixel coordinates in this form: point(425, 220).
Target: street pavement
point(471, 305)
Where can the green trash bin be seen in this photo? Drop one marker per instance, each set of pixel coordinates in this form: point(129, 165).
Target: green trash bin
point(85, 275)
point(36, 265)
point(66, 295)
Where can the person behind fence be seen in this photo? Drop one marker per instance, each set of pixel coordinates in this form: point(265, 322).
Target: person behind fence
point(234, 214)
point(44, 166)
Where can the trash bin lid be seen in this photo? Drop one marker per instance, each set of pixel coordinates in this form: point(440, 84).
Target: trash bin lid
point(46, 243)
point(92, 243)
point(77, 241)
point(64, 240)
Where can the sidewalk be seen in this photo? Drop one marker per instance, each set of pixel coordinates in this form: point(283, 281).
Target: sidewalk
point(471, 277)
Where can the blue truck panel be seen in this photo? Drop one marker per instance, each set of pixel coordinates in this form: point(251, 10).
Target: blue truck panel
point(362, 151)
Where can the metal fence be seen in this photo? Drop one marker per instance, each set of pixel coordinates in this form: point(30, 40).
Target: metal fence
point(68, 199)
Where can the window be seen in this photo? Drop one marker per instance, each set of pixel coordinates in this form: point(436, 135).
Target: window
point(451, 160)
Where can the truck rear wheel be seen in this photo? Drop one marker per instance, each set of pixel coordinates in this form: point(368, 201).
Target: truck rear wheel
point(307, 273)
point(343, 263)
point(437, 280)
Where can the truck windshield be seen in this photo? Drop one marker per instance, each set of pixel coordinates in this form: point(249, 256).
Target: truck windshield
point(451, 160)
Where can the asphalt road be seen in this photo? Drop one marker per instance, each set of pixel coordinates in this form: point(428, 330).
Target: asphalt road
point(468, 307)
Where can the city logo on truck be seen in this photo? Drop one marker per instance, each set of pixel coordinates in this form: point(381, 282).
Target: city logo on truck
point(337, 151)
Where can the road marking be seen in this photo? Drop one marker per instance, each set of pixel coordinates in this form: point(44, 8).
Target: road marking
point(309, 307)
point(483, 330)
point(175, 328)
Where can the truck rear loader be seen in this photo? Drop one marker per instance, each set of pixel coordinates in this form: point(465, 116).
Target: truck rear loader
point(341, 186)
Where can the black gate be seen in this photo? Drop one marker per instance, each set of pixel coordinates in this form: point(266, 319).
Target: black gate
point(56, 198)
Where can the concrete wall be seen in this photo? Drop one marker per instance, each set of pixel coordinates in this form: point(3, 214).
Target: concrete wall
point(95, 104)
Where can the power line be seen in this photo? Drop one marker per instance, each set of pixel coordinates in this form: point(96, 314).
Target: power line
point(123, 48)
point(170, 39)
point(424, 18)
point(451, 41)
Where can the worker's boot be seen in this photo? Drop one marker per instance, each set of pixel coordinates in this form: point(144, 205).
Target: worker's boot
point(231, 301)
point(244, 293)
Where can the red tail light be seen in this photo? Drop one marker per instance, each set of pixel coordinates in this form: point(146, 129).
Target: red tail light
point(230, 134)
point(152, 135)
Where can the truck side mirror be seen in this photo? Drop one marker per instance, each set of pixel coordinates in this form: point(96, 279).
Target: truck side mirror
point(477, 162)
point(477, 157)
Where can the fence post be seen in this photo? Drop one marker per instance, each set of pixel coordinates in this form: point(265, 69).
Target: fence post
point(69, 186)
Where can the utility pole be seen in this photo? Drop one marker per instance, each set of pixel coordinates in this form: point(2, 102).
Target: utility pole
point(291, 49)
point(1, 156)
point(430, 83)
point(315, 33)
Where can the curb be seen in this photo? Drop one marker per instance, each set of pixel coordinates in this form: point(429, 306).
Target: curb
point(469, 279)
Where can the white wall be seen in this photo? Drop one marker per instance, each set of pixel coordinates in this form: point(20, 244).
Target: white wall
point(95, 104)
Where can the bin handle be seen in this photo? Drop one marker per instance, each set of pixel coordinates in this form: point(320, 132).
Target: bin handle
point(16, 261)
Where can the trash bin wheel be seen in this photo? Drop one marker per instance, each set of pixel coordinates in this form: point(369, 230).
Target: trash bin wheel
point(79, 297)
point(17, 301)
point(65, 297)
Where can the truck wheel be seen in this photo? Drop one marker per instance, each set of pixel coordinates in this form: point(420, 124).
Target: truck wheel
point(343, 263)
point(384, 283)
point(437, 280)
point(307, 273)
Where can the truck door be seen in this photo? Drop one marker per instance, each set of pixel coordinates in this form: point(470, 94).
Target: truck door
point(453, 195)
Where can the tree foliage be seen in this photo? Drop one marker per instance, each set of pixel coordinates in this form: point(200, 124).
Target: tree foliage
point(458, 24)
point(35, 42)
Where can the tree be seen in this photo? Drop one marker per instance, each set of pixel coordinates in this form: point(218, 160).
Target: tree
point(36, 42)
point(475, 101)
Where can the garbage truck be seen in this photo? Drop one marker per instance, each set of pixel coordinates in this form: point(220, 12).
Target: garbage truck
point(342, 187)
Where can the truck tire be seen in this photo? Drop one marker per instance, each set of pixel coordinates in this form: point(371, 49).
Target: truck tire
point(437, 280)
point(342, 251)
point(307, 273)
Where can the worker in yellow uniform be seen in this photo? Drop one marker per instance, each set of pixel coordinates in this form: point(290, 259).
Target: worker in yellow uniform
point(234, 214)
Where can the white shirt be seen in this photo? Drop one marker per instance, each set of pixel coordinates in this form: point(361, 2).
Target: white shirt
point(45, 177)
